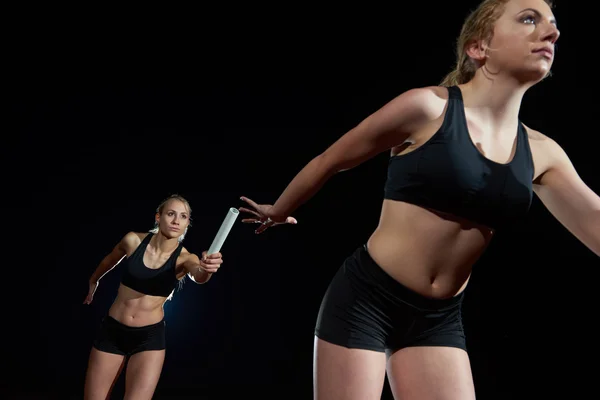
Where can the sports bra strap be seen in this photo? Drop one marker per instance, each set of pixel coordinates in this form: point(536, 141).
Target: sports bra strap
point(454, 93)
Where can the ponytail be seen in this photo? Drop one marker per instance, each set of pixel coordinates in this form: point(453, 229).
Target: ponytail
point(462, 73)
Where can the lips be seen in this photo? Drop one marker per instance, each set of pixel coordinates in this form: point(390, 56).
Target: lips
point(546, 51)
point(172, 228)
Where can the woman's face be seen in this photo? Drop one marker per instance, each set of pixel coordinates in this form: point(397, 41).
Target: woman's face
point(523, 41)
point(174, 219)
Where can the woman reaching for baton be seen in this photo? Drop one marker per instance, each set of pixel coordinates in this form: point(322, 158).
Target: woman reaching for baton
point(154, 263)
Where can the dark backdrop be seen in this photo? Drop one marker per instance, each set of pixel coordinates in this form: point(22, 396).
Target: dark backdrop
point(106, 120)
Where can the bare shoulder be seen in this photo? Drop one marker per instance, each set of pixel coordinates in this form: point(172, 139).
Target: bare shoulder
point(427, 93)
point(543, 144)
point(546, 152)
point(437, 101)
point(535, 135)
point(430, 99)
point(440, 92)
point(131, 241)
point(414, 107)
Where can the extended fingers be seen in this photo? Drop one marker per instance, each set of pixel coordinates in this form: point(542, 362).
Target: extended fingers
point(269, 223)
point(247, 200)
point(244, 209)
point(265, 225)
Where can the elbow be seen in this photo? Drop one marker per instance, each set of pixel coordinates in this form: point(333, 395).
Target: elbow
point(326, 165)
point(193, 278)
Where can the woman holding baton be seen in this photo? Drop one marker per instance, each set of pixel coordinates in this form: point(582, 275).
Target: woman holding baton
point(134, 328)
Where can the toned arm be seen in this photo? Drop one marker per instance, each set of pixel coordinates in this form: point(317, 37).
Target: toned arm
point(389, 126)
point(130, 241)
point(566, 196)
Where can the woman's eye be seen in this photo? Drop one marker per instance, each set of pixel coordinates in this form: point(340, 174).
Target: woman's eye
point(529, 19)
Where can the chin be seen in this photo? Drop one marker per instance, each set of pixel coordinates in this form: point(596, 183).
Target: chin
point(533, 76)
point(171, 235)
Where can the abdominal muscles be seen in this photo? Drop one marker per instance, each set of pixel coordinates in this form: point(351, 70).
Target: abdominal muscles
point(137, 309)
point(427, 251)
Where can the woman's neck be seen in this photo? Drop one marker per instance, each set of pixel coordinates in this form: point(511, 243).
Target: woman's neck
point(162, 244)
point(496, 101)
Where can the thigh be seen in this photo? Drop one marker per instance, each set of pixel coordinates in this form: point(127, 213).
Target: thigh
point(102, 373)
point(342, 373)
point(143, 372)
point(431, 372)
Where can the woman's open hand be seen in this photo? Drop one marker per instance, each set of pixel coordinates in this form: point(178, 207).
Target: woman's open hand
point(262, 214)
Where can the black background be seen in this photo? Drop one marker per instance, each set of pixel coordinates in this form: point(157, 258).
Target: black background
point(107, 118)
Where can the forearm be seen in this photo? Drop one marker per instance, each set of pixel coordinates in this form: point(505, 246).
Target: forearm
point(592, 238)
point(586, 228)
point(304, 186)
point(105, 266)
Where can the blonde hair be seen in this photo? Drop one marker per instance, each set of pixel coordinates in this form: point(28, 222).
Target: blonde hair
point(479, 25)
point(162, 205)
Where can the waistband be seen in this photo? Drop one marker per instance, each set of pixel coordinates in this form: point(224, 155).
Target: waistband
point(112, 321)
point(378, 275)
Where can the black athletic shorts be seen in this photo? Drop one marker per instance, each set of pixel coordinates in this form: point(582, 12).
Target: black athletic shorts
point(365, 308)
point(118, 338)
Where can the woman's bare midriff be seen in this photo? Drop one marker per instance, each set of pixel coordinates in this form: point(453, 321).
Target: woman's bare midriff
point(426, 251)
point(135, 309)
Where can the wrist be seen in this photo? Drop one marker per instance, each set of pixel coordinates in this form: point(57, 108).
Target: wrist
point(275, 214)
point(202, 275)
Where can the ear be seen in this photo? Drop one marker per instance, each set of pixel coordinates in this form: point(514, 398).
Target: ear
point(476, 50)
point(157, 218)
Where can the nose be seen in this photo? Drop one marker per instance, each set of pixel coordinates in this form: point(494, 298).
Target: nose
point(551, 33)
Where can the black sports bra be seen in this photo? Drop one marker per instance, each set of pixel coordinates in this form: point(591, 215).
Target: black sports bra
point(449, 174)
point(155, 282)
